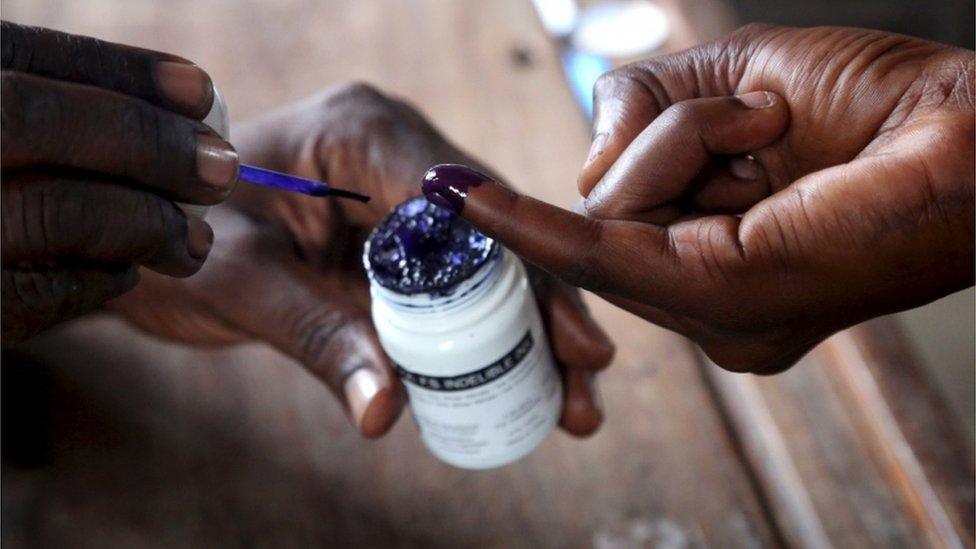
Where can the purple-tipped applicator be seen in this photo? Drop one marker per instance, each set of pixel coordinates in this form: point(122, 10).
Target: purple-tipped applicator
point(277, 180)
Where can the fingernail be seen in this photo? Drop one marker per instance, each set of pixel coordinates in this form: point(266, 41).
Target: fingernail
point(217, 162)
point(446, 185)
point(360, 388)
point(184, 84)
point(199, 237)
point(596, 149)
point(745, 168)
point(757, 99)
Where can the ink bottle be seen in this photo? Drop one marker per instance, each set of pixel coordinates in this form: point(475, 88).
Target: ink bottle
point(456, 314)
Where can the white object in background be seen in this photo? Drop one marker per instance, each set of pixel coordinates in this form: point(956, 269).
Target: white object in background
point(219, 122)
point(482, 382)
point(621, 28)
point(558, 16)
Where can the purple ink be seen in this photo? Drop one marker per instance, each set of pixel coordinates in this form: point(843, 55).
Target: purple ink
point(278, 180)
point(421, 247)
point(447, 185)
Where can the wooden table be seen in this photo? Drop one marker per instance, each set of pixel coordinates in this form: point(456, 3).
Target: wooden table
point(175, 446)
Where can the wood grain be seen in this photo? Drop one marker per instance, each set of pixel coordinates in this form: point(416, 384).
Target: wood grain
point(854, 446)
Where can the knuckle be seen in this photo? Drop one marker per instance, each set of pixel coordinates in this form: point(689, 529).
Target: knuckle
point(317, 333)
point(752, 30)
point(362, 90)
point(27, 107)
point(358, 93)
point(100, 221)
point(13, 222)
point(585, 268)
point(11, 106)
point(622, 83)
point(163, 227)
point(140, 128)
point(579, 273)
point(31, 302)
point(607, 81)
point(681, 114)
point(36, 299)
point(33, 221)
point(361, 111)
point(605, 203)
point(68, 221)
point(755, 355)
point(10, 38)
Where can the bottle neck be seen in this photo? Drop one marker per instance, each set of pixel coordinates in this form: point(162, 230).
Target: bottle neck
point(463, 295)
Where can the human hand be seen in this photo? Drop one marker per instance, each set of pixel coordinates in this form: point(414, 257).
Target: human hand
point(98, 138)
point(287, 269)
point(836, 186)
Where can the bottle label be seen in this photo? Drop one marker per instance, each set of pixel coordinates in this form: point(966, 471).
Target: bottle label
point(474, 379)
point(494, 410)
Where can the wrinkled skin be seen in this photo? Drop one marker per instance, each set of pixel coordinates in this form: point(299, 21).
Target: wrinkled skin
point(763, 191)
point(93, 159)
point(286, 268)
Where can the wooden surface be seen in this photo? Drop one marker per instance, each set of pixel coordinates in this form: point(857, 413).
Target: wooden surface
point(163, 445)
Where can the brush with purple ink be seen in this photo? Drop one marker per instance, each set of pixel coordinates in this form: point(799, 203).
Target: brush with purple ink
point(278, 180)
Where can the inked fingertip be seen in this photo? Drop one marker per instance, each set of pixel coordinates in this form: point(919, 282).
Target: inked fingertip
point(447, 185)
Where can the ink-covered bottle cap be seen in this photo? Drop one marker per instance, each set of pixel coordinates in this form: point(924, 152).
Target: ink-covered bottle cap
point(422, 253)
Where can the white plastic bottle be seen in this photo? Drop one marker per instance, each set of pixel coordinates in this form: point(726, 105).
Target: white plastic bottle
point(472, 352)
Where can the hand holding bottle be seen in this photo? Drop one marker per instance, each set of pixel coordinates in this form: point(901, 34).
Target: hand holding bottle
point(286, 269)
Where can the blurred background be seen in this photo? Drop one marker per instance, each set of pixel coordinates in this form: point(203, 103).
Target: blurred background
point(156, 444)
point(949, 21)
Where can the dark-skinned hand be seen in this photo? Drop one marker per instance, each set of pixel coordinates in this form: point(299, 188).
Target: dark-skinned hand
point(99, 139)
point(286, 269)
point(761, 192)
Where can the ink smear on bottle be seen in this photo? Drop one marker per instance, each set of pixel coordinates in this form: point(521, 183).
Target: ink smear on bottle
point(455, 313)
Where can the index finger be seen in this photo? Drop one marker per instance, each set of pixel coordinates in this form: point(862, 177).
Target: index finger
point(162, 79)
point(599, 255)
